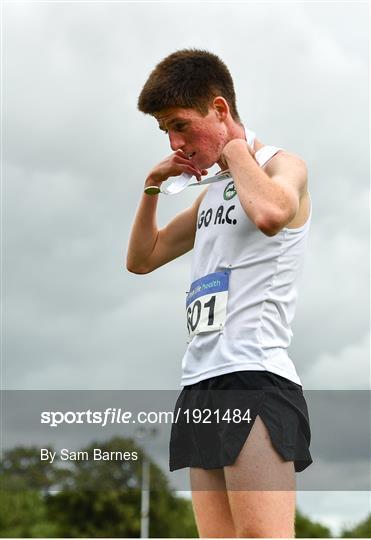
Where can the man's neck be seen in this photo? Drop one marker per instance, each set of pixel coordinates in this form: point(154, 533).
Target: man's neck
point(235, 131)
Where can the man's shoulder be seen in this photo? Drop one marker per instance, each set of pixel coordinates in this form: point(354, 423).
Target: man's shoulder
point(282, 159)
point(288, 165)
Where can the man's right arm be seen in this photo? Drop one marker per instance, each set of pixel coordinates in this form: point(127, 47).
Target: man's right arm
point(150, 247)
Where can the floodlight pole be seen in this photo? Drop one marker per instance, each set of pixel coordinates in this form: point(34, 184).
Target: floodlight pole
point(145, 433)
point(144, 507)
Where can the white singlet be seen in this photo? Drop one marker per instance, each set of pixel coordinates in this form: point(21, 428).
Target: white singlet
point(243, 291)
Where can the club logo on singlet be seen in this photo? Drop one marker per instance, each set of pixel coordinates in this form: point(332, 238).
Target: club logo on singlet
point(229, 192)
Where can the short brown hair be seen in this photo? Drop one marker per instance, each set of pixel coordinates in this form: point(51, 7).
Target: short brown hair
point(189, 78)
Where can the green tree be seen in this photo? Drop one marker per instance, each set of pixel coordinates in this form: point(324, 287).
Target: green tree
point(102, 498)
point(24, 515)
point(362, 530)
point(171, 517)
point(24, 481)
point(306, 528)
point(21, 468)
point(86, 499)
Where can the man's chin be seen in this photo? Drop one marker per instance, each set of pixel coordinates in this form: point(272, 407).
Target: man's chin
point(205, 164)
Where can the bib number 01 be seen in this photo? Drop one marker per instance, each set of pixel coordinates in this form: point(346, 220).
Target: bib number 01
point(207, 303)
point(194, 313)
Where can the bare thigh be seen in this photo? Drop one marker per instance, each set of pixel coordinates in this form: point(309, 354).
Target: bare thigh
point(261, 488)
point(210, 504)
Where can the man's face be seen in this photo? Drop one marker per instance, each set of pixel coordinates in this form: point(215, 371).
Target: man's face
point(202, 138)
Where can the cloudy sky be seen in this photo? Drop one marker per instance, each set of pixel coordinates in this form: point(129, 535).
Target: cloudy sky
point(75, 155)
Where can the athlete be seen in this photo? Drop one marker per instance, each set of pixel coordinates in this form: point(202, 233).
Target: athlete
point(248, 233)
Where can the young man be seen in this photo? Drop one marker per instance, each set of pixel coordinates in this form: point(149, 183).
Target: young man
point(248, 232)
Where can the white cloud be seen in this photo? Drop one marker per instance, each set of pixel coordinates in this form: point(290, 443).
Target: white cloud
point(336, 509)
point(349, 369)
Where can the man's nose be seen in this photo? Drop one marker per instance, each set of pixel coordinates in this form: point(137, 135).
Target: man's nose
point(176, 141)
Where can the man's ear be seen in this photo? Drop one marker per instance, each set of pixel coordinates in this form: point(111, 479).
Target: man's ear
point(221, 107)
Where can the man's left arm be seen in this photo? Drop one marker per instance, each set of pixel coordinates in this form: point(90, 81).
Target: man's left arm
point(270, 198)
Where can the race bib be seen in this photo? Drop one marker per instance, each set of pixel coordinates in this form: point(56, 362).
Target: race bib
point(206, 303)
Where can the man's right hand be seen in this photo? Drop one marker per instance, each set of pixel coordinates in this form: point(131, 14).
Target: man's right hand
point(173, 165)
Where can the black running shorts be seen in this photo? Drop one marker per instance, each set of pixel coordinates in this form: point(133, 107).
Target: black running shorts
point(213, 418)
